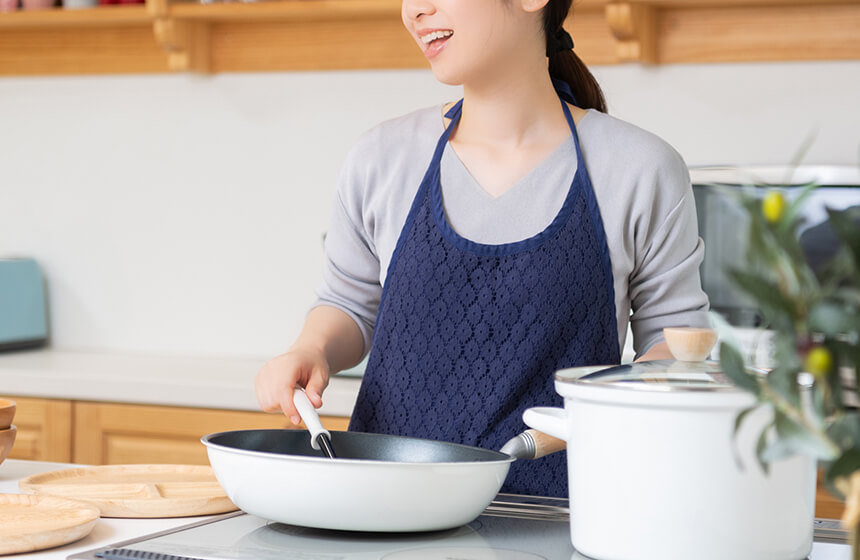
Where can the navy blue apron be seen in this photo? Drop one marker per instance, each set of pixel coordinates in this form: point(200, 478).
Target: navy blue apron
point(470, 335)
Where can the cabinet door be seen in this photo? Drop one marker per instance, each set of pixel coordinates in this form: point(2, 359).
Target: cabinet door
point(114, 434)
point(44, 430)
point(826, 505)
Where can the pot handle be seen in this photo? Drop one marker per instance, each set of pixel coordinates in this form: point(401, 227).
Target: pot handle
point(310, 417)
point(549, 420)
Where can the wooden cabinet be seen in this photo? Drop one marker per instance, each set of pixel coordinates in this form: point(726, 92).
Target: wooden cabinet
point(110, 433)
point(107, 433)
point(44, 430)
point(826, 505)
point(279, 35)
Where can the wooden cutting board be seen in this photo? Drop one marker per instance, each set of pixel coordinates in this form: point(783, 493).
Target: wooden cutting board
point(29, 523)
point(137, 491)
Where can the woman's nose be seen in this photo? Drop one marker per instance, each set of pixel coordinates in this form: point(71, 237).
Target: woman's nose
point(415, 9)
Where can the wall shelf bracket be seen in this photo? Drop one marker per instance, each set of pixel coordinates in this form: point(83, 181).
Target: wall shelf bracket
point(185, 42)
point(634, 26)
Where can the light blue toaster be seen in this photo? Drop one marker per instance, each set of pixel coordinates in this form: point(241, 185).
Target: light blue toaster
point(23, 309)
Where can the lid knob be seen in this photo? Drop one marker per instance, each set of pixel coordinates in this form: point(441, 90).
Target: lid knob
point(690, 344)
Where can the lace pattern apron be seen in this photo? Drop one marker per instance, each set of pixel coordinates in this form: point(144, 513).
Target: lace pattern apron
point(470, 335)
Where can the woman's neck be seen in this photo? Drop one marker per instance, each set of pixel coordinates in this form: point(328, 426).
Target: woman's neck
point(512, 111)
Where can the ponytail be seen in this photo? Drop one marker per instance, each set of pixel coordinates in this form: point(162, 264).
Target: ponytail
point(565, 65)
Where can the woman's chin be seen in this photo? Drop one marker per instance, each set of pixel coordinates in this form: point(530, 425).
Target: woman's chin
point(447, 76)
point(447, 73)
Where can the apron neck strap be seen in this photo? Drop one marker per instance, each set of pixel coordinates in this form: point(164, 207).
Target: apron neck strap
point(565, 96)
point(562, 88)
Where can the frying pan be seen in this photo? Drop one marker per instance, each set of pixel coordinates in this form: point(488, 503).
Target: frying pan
point(378, 482)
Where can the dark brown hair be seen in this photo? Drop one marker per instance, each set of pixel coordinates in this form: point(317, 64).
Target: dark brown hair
point(568, 67)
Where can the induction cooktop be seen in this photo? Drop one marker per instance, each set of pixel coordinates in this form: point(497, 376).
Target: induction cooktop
point(512, 528)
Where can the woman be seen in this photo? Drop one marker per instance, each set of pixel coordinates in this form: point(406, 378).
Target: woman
point(477, 248)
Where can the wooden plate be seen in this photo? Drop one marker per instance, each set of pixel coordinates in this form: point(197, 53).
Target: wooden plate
point(137, 491)
point(29, 523)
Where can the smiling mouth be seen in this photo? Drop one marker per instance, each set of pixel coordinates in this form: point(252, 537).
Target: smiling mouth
point(436, 36)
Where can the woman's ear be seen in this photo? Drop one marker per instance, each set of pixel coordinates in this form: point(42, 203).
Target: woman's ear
point(533, 5)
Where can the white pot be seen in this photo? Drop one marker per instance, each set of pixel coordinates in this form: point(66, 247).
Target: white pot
point(653, 470)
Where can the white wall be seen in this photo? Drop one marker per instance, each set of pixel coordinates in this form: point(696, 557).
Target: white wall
point(184, 215)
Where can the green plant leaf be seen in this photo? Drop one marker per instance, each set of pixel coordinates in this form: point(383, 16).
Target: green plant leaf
point(782, 380)
point(833, 318)
point(780, 311)
point(843, 466)
point(837, 396)
point(796, 205)
point(733, 366)
point(795, 439)
point(740, 417)
point(760, 448)
point(738, 421)
point(845, 431)
point(844, 222)
point(848, 295)
point(777, 449)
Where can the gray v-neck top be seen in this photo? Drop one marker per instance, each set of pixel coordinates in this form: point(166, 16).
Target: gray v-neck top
point(642, 188)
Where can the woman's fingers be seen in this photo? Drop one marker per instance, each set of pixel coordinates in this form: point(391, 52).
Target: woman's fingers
point(278, 378)
point(266, 397)
point(317, 382)
point(288, 407)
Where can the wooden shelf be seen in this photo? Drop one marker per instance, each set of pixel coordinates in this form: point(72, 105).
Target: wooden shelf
point(296, 11)
point(279, 35)
point(104, 16)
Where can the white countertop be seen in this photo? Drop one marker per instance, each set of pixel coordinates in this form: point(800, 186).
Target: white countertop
point(111, 531)
point(107, 531)
point(226, 383)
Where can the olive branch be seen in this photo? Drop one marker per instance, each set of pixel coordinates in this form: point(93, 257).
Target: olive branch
point(816, 324)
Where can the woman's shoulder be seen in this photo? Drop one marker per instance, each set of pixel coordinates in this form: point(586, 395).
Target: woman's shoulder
point(632, 156)
point(629, 140)
point(389, 160)
point(399, 135)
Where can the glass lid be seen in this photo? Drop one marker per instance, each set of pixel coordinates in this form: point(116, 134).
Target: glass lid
point(657, 375)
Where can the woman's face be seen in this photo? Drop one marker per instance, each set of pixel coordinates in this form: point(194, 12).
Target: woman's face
point(469, 40)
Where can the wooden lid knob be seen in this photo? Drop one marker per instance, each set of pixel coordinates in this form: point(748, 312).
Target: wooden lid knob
point(690, 344)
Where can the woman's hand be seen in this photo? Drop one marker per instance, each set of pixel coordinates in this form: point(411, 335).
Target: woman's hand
point(659, 351)
point(303, 366)
point(329, 342)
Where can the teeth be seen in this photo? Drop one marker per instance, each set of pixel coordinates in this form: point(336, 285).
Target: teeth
point(430, 37)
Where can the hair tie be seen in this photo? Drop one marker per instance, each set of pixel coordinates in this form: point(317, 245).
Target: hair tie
point(560, 41)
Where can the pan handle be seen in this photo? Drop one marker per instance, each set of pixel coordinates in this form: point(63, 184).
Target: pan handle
point(532, 444)
point(310, 417)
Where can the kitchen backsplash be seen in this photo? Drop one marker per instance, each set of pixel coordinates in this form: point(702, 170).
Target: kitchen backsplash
point(182, 214)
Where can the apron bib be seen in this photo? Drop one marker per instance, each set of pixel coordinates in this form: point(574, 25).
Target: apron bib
point(469, 335)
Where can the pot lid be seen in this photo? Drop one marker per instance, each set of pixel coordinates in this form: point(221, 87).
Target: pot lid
point(657, 375)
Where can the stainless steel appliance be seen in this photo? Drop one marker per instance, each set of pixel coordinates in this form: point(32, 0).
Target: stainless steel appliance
point(723, 224)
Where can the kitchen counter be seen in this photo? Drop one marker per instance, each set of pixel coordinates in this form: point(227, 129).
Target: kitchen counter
point(109, 531)
point(105, 532)
point(225, 383)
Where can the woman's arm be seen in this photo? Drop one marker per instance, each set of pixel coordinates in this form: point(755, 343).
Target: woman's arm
point(665, 287)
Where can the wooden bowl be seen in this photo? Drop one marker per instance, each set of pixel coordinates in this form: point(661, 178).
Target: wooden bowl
point(690, 344)
point(7, 412)
point(7, 439)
